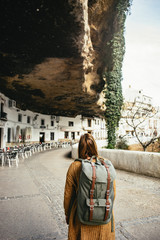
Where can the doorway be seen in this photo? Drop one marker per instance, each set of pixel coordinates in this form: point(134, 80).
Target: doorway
point(0, 137)
point(9, 135)
point(66, 134)
point(73, 135)
point(42, 137)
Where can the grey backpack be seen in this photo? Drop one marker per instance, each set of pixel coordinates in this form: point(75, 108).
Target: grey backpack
point(95, 193)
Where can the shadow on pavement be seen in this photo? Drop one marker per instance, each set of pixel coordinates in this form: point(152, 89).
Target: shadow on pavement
point(68, 155)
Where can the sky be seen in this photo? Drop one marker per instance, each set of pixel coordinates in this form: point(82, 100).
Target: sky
point(141, 65)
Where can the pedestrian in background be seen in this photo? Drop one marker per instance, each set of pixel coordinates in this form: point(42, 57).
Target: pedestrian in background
point(78, 231)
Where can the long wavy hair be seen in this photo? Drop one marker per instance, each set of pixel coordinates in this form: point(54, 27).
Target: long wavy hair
point(87, 146)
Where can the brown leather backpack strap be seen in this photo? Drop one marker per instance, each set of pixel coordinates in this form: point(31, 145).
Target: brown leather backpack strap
point(107, 193)
point(92, 191)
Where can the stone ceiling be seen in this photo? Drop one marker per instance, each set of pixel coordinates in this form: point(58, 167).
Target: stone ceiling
point(52, 54)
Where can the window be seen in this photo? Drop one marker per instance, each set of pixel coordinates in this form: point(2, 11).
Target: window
point(89, 122)
point(70, 124)
point(66, 134)
point(9, 103)
point(28, 119)
point(52, 136)
point(19, 117)
point(1, 109)
point(52, 123)
point(42, 122)
point(77, 133)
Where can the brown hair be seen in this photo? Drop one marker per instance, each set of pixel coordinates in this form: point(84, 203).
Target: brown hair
point(87, 146)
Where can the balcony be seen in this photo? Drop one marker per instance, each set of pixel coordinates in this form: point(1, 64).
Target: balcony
point(42, 126)
point(3, 116)
point(88, 129)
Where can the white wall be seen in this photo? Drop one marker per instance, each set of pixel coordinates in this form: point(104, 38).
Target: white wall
point(133, 161)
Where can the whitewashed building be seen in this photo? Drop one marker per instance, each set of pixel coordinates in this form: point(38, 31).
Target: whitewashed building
point(18, 126)
point(135, 99)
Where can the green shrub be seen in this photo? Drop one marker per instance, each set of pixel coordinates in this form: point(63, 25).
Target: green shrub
point(122, 144)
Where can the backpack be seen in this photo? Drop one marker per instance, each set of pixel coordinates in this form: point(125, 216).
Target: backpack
point(95, 192)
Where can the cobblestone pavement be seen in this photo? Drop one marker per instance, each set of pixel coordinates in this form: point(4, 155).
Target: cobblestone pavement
point(31, 201)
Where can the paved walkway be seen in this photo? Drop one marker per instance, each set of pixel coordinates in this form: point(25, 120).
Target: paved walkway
point(31, 201)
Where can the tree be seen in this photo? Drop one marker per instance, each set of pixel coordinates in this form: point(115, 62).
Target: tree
point(139, 116)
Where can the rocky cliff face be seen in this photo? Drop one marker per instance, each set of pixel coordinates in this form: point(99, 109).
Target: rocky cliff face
point(53, 54)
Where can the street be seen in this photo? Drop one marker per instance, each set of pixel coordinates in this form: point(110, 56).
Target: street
point(31, 200)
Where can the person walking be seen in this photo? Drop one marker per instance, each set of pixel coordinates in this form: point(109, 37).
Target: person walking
point(77, 230)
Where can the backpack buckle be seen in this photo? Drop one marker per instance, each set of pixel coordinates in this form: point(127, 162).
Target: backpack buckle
point(107, 207)
point(91, 191)
point(91, 207)
point(107, 194)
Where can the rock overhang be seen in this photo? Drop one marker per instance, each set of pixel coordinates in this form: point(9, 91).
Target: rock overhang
point(53, 54)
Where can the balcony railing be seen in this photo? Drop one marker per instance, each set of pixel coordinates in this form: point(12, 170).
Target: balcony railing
point(3, 116)
point(42, 126)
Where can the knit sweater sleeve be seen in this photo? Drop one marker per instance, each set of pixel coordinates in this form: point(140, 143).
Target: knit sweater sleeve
point(69, 191)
